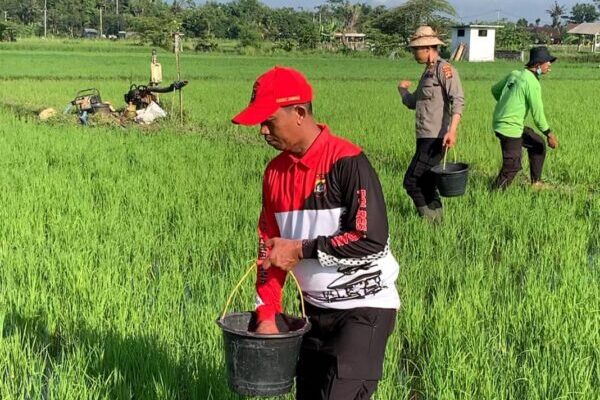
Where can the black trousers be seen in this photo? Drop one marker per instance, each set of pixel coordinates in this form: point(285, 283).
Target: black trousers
point(342, 355)
point(419, 182)
point(511, 157)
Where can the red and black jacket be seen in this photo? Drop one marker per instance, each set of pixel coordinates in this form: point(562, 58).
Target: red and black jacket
point(332, 199)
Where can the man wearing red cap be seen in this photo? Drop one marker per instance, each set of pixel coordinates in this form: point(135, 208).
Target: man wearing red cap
point(324, 216)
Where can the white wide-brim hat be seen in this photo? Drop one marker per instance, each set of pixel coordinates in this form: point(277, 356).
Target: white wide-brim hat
point(425, 36)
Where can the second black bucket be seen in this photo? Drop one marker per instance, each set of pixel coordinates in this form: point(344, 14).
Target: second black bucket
point(452, 180)
point(261, 365)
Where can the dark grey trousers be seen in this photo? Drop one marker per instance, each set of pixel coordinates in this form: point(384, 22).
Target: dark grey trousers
point(511, 157)
point(342, 355)
point(419, 182)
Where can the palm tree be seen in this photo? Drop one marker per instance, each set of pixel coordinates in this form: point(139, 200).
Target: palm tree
point(353, 14)
point(556, 12)
point(427, 9)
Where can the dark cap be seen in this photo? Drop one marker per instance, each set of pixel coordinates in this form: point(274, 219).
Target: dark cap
point(539, 55)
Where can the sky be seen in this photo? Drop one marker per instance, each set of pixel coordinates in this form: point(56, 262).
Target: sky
point(468, 10)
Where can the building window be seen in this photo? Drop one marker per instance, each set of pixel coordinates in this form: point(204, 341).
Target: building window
point(461, 33)
point(482, 32)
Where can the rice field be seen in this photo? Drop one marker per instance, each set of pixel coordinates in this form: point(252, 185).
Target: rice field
point(119, 245)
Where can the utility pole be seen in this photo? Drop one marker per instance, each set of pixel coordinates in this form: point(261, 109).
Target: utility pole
point(498, 16)
point(100, 23)
point(5, 16)
point(45, 18)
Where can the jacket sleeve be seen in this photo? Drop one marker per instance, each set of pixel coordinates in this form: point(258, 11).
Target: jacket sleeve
point(450, 81)
point(409, 100)
point(536, 105)
point(498, 88)
point(363, 234)
point(269, 283)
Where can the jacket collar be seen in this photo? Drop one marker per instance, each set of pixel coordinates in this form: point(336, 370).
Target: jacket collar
point(311, 158)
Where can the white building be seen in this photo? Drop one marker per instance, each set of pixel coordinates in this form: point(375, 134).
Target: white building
point(474, 42)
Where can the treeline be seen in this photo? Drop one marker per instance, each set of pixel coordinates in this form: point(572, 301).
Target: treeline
point(252, 23)
point(248, 21)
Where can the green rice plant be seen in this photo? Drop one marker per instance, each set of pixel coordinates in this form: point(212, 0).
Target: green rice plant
point(119, 245)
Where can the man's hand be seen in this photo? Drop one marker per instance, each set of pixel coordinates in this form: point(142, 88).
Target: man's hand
point(449, 139)
point(283, 253)
point(404, 85)
point(552, 141)
point(267, 327)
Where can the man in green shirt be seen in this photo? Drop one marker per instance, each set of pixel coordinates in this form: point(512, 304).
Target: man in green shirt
point(518, 94)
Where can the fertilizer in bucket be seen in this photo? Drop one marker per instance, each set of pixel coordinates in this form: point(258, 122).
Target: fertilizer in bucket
point(451, 178)
point(261, 364)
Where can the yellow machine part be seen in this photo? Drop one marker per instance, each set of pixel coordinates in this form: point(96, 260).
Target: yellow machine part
point(155, 73)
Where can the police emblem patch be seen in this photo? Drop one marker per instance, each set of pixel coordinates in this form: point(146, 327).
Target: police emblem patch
point(320, 185)
point(447, 70)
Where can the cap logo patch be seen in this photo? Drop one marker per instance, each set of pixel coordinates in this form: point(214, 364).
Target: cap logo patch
point(285, 99)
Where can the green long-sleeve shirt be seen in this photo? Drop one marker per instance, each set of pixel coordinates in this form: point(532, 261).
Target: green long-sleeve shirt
point(516, 95)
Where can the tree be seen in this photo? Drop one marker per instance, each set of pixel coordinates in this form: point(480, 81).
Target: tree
point(583, 13)
point(512, 36)
point(556, 12)
point(145, 8)
point(249, 11)
point(209, 19)
point(346, 14)
point(8, 31)
point(250, 35)
point(405, 19)
point(24, 11)
point(308, 36)
point(155, 30)
point(522, 22)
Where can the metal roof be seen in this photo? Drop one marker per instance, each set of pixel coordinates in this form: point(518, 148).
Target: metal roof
point(479, 26)
point(587, 28)
point(339, 34)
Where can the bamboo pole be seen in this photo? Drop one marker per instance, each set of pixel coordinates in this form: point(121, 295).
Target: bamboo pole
point(178, 36)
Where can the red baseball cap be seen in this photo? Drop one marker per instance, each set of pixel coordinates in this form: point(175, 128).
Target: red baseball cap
point(278, 87)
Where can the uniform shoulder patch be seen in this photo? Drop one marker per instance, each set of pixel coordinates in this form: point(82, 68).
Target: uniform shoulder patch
point(447, 70)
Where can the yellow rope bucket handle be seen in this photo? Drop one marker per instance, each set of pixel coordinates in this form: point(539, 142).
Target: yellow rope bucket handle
point(446, 154)
point(252, 268)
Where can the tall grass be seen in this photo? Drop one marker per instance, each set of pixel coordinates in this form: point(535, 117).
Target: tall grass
point(118, 246)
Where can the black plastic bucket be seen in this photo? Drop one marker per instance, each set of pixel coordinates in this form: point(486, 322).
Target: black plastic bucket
point(451, 181)
point(261, 364)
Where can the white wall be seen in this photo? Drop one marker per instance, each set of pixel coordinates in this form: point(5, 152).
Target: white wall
point(478, 48)
point(482, 47)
